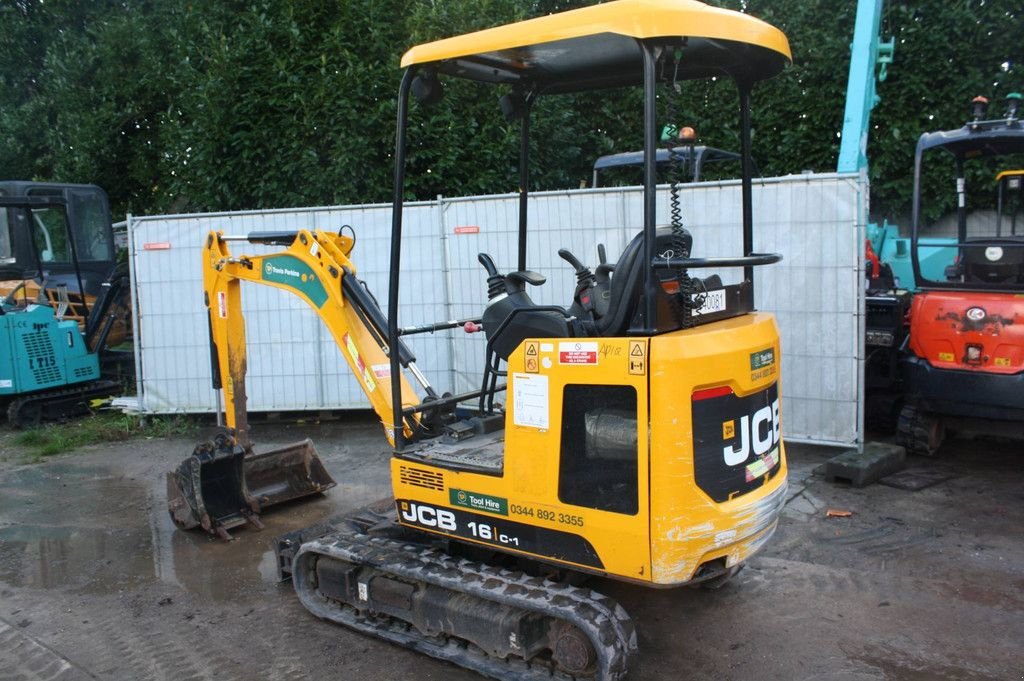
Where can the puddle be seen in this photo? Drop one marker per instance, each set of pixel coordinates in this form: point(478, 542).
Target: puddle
point(83, 529)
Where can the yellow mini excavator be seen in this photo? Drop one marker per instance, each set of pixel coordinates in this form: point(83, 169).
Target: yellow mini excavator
point(640, 434)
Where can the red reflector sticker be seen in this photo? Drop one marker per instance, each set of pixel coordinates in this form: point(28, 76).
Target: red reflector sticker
point(157, 246)
point(712, 392)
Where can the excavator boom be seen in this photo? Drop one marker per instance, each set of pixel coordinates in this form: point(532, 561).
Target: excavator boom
point(224, 483)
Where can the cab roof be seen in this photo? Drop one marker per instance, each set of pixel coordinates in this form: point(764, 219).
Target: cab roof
point(596, 47)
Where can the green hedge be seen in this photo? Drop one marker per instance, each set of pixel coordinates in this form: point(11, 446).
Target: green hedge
point(173, 105)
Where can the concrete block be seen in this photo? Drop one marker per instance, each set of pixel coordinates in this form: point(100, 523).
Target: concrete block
point(863, 468)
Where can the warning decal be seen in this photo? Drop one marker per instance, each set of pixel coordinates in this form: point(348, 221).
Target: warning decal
point(637, 357)
point(532, 357)
point(363, 371)
point(577, 353)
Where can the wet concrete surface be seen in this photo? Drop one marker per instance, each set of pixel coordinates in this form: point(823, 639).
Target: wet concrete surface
point(95, 583)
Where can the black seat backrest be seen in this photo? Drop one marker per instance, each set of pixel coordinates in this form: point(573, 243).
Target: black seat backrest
point(627, 281)
point(624, 292)
point(1008, 268)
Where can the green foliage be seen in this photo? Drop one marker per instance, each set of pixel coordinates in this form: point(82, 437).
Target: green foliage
point(173, 105)
point(100, 428)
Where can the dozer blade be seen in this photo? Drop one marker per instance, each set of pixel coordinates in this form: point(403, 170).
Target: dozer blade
point(222, 486)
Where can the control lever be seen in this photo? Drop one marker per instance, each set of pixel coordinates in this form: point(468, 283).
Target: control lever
point(582, 296)
point(488, 264)
point(572, 260)
point(495, 282)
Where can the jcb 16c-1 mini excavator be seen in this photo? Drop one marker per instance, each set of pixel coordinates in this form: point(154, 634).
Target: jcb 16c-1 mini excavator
point(640, 434)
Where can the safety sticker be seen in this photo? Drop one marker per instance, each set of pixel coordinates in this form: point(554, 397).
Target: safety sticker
point(532, 357)
point(577, 353)
point(761, 466)
point(1001, 361)
point(222, 304)
point(353, 352)
point(381, 370)
point(530, 400)
point(946, 357)
point(637, 357)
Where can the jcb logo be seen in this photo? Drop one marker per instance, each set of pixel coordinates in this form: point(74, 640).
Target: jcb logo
point(428, 516)
point(760, 431)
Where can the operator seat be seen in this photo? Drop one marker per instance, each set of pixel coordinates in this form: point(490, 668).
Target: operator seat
point(623, 283)
point(995, 264)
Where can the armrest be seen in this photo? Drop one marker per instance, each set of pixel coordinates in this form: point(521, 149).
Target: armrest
point(526, 277)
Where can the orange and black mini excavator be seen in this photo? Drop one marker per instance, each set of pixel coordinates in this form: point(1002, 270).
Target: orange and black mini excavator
point(964, 365)
point(640, 437)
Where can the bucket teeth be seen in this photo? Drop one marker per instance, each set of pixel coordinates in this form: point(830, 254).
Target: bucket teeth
point(222, 485)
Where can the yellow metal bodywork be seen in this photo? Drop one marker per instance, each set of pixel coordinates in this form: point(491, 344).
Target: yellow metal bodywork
point(311, 268)
point(687, 527)
point(677, 527)
point(639, 19)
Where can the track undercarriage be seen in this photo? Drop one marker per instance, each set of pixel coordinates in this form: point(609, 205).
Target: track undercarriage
point(57, 405)
point(372, 576)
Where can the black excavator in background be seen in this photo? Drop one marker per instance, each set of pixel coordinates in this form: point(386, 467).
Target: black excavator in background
point(64, 302)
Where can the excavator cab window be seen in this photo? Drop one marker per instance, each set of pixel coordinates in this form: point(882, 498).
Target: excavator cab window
point(93, 226)
point(50, 235)
point(7, 256)
point(598, 467)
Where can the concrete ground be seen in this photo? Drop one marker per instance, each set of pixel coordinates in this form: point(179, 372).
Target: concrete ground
point(95, 583)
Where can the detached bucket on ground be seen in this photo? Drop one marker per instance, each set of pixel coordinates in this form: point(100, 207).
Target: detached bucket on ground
point(222, 486)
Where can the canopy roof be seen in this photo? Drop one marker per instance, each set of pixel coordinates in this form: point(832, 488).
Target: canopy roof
point(975, 141)
point(636, 158)
point(595, 47)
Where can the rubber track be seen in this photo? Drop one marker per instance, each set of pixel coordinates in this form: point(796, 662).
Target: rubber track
point(600, 618)
point(88, 390)
point(913, 432)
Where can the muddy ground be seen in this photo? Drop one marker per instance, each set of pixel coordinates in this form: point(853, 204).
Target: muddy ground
point(915, 586)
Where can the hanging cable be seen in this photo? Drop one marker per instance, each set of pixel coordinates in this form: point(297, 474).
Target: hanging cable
point(691, 292)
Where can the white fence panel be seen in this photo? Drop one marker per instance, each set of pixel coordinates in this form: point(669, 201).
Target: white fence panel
point(815, 221)
point(293, 363)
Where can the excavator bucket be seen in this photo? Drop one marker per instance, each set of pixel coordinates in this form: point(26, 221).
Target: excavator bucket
point(222, 485)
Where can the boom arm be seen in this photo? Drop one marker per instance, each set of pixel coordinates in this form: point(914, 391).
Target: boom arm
point(866, 52)
point(315, 266)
